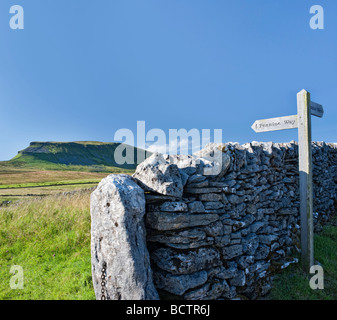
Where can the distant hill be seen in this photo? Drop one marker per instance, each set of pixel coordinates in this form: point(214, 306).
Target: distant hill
point(78, 155)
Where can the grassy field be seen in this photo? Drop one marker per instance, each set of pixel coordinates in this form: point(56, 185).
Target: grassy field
point(46, 227)
point(22, 182)
point(14, 176)
point(31, 163)
point(50, 239)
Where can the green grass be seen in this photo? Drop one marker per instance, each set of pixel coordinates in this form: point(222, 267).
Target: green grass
point(50, 239)
point(32, 162)
point(49, 184)
point(23, 182)
point(293, 283)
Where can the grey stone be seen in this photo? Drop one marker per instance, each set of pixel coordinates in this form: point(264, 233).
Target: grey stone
point(179, 284)
point(231, 252)
point(157, 175)
point(237, 225)
point(250, 244)
point(267, 239)
point(216, 161)
point(202, 190)
point(239, 280)
point(174, 221)
point(286, 211)
point(198, 294)
point(229, 191)
point(226, 221)
point(216, 290)
point(154, 198)
point(262, 252)
point(188, 164)
point(259, 266)
point(222, 241)
point(177, 262)
point(118, 239)
point(184, 177)
point(234, 199)
point(264, 211)
point(224, 199)
point(196, 207)
point(210, 197)
point(236, 235)
point(230, 183)
point(244, 232)
point(196, 179)
point(228, 273)
point(174, 206)
point(257, 226)
point(251, 208)
point(245, 261)
point(213, 205)
point(214, 229)
point(201, 184)
point(227, 229)
point(182, 237)
point(248, 219)
point(274, 246)
point(191, 245)
point(229, 293)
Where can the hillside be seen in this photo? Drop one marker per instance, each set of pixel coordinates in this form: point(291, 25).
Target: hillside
point(79, 156)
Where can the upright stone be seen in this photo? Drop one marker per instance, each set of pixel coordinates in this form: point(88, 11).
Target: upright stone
point(118, 241)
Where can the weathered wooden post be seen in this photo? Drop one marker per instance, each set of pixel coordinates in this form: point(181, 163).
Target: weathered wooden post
point(305, 172)
point(302, 121)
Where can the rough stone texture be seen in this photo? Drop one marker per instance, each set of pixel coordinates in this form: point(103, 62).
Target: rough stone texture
point(182, 237)
point(178, 285)
point(257, 202)
point(157, 175)
point(175, 221)
point(177, 262)
point(118, 238)
point(216, 162)
point(189, 164)
point(236, 225)
point(173, 206)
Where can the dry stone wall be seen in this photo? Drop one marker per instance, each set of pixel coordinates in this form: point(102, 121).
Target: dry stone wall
point(220, 222)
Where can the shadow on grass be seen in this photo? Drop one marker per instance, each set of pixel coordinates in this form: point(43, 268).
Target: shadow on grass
point(293, 283)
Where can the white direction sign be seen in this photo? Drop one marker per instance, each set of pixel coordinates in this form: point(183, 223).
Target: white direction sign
point(272, 124)
point(316, 109)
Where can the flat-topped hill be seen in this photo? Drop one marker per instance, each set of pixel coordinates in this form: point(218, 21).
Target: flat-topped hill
point(69, 155)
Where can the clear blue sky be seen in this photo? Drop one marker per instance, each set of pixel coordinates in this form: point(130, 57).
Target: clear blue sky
point(81, 69)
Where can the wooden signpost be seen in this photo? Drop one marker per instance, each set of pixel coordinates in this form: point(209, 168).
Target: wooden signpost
point(302, 121)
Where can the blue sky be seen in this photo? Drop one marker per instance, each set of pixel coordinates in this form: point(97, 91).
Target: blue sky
point(80, 70)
